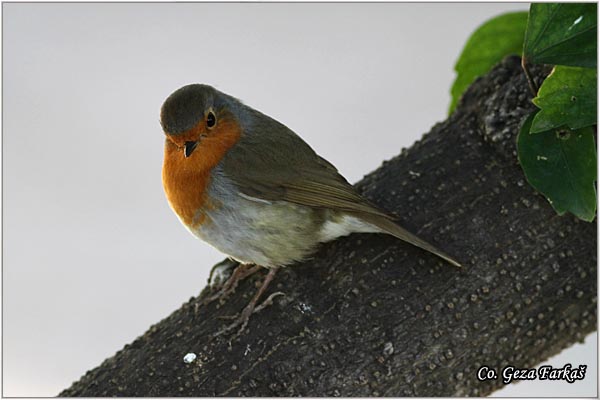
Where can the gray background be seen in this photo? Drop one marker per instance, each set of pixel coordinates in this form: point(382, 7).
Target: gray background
point(92, 253)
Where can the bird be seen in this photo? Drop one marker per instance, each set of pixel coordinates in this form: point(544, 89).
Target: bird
point(256, 191)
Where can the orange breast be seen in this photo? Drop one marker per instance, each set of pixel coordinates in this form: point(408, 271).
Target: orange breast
point(186, 180)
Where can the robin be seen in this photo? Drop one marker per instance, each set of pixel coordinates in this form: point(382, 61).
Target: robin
point(253, 189)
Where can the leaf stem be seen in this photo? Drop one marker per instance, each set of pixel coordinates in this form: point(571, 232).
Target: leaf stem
point(532, 86)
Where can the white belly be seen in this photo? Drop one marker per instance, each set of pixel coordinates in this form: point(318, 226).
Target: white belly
point(267, 233)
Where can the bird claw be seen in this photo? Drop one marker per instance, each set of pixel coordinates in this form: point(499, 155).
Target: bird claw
point(244, 316)
point(268, 301)
point(240, 273)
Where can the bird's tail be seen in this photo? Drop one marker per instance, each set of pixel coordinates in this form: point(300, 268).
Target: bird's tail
point(388, 226)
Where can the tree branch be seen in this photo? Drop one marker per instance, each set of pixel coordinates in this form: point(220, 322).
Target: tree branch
point(370, 315)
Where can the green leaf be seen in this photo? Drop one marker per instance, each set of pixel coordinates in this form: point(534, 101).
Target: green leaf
point(567, 97)
point(488, 45)
point(561, 33)
point(561, 164)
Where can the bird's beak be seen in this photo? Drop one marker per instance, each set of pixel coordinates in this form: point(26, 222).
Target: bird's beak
point(188, 148)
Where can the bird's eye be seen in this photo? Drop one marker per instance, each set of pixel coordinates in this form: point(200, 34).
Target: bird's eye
point(211, 120)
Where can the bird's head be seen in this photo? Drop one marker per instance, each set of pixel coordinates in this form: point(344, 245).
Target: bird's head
point(197, 113)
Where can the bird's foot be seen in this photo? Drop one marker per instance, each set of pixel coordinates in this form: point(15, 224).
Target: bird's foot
point(242, 319)
point(221, 272)
point(240, 273)
point(251, 308)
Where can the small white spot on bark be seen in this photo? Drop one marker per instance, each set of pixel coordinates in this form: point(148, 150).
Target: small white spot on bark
point(189, 358)
point(388, 349)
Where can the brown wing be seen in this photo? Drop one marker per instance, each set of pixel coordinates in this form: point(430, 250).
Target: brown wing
point(275, 164)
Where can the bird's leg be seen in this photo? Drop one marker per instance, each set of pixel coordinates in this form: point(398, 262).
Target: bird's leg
point(251, 307)
point(240, 273)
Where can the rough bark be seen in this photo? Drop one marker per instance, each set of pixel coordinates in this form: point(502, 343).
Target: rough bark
point(372, 316)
